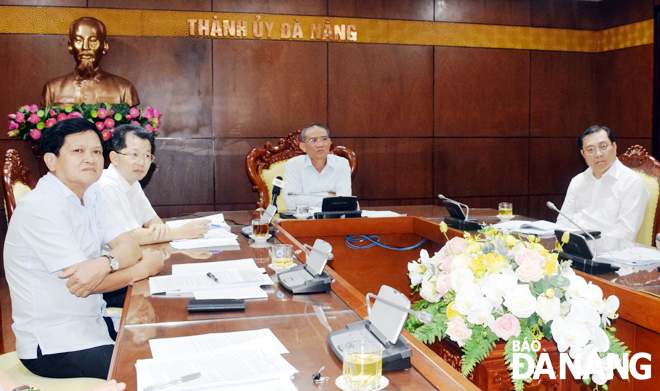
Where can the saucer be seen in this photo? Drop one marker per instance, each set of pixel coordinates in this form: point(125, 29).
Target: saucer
point(384, 382)
point(280, 269)
point(506, 218)
point(260, 238)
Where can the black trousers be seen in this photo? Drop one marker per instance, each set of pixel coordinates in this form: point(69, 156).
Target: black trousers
point(94, 362)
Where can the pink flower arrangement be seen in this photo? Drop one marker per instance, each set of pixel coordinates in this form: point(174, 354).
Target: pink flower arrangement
point(30, 121)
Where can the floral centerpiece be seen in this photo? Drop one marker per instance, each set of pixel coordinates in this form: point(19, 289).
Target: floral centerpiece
point(493, 286)
point(31, 121)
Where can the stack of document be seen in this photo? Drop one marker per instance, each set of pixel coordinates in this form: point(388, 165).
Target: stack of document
point(239, 279)
point(538, 228)
point(640, 257)
point(219, 235)
point(245, 360)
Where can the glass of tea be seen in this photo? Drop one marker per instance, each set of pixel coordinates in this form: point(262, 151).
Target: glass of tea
point(281, 255)
point(505, 209)
point(363, 365)
point(259, 228)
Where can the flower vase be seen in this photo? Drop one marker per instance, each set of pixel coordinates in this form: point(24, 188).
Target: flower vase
point(492, 374)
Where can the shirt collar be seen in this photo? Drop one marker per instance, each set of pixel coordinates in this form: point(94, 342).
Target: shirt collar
point(612, 172)
point(328, 162)
point(123, 183)
point(52, 181)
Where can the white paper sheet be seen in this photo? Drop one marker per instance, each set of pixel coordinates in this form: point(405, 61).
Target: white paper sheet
point(216, 219)
point(200, 281)
point(199, 267)
point(172, 347)
point(189, 244)
point(379, 213)
point(237, 292)
point(637, 256)
point(257, 360)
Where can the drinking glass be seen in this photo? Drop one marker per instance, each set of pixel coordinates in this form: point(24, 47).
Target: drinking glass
point(281, 255)
point(259, 228)
point(363, 365)
point(506, 209)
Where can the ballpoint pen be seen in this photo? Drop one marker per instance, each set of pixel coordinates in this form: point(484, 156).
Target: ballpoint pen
point(180, 380)
point(211, 276)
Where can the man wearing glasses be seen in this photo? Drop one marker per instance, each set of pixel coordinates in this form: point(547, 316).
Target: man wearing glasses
point(608, 196)
point(317, 174)
point(131, 157)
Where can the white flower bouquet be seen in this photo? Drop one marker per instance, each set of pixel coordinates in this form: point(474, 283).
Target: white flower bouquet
point(493, 286)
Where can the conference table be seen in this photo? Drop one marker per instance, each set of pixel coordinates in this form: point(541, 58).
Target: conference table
point(302, 322)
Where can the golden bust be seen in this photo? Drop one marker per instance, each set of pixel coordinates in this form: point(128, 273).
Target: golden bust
point(88, 83)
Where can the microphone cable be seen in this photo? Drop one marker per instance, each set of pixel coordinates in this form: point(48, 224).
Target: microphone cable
point(374, 240)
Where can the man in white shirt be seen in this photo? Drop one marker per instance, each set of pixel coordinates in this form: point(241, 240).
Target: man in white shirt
point(608, 197)
point(131, 156)
point(53, 262)
point(318, 174)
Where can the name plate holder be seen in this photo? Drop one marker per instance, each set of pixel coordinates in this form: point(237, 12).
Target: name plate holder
point(384, 326)
point(310, 277)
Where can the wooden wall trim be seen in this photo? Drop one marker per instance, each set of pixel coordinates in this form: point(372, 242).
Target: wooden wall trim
point(153, 23)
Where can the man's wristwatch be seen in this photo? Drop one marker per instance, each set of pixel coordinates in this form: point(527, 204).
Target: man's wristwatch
point(114, 263)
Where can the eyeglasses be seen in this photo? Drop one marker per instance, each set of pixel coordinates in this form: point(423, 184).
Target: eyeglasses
point(136, 157)
point(321, 140)
point(602, 148)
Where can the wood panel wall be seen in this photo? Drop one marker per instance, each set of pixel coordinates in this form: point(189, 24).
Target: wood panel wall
point(480, 125)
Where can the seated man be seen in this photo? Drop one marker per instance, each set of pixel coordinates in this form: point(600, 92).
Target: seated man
point(608, 197)
point(54, 265)
point(131, 156)
point(318, 174)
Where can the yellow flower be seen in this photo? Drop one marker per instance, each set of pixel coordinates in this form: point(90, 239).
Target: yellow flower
point(539, 247)
point(531, 238)
point(551, 265)
point(565, 237)
point(451, 312)
point(511, 241)
point(495, 262)
point(549, 293)
point(473, 247)
point(14, 133)
point(443, 227)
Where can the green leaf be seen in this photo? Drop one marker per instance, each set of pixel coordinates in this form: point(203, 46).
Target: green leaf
point(477, 348)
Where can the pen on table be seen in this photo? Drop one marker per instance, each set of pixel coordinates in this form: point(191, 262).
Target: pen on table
point(215, 225)
point(180, 380)
point(211, 276)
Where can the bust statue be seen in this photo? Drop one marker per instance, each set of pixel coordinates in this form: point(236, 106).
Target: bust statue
point(88, 83)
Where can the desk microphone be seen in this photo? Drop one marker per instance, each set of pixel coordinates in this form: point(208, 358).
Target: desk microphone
point(423, 316)
point(291, 193)
point(278, 185)
point(467, 214)
point(270, 212)
point(552, 206)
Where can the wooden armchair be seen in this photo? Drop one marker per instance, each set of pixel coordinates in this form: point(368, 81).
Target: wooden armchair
point(18, 181)
point(263, 164)
point(648, 169)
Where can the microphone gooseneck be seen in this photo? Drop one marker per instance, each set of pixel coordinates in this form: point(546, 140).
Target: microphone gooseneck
point(467, 213)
